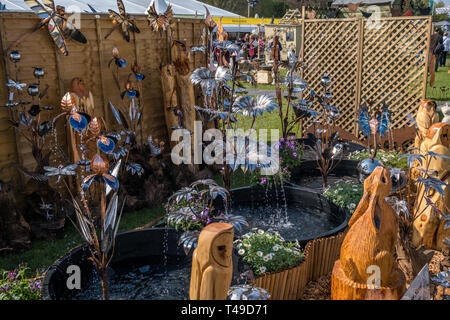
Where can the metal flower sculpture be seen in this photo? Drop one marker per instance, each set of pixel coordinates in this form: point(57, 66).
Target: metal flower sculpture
point(194, 206)
point(57, 22)
point(100, 167)
point(253, 107)
point(209, 80)
point(123, 21)
point(159, 15)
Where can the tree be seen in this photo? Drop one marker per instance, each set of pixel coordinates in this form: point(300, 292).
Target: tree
point(439, 17)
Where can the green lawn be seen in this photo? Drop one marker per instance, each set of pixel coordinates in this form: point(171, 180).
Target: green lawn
point(44, 253)
point(442, 80)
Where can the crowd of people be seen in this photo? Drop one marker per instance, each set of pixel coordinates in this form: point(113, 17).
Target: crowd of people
point(254, 47)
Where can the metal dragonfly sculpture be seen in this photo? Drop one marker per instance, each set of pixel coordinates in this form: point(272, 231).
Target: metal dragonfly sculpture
point(123, 21)
point(57, 23)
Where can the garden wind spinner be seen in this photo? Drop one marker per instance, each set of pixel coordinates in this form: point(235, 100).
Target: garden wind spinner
point(123, 21)
point(57, 22)
point(159, 15)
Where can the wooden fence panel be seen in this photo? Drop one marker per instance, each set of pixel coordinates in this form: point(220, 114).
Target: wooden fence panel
point(89, 62)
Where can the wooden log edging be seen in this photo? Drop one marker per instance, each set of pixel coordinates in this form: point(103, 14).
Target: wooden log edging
point(319, 258)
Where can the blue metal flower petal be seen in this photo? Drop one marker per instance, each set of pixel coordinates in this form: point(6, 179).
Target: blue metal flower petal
point(78, 122)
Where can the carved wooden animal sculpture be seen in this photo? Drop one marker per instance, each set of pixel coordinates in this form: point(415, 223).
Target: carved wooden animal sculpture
point(369, 242)
point(425, 118)
point(181, 57)
point(428, 225)
point(212, 266)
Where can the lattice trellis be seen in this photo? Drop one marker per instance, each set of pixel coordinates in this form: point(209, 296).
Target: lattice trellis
point(331, 46)
point(394, 65)
point(383, 60)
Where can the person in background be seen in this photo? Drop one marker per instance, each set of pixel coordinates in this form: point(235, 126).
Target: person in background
point(446, 50)
point(252, 48)
point(262, 45)
point(245, 46)
point(275, 48)
point(436, 47)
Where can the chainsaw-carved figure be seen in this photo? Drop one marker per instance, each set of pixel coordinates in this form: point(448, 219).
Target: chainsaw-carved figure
point(431, 205)
point(369, 245)
point(426, 117)
point(212, 266)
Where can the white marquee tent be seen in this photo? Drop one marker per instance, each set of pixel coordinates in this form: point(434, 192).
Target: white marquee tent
point(180, 7)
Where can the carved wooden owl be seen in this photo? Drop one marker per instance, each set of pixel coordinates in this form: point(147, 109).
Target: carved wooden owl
point(212, 266)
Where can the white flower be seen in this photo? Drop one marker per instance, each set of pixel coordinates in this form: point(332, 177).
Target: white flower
point(288, 249)
point(268, 236)
point(260, 232)
point(262, 269)
point(352, 205)
point(241, 252)
point(276, 247)
point(259, 254)
point(266, 258)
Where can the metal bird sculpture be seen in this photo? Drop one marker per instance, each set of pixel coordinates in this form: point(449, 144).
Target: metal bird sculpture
point(123, 21)
point(57, 22)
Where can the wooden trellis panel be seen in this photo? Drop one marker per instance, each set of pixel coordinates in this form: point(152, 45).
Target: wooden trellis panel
point(394, 65)
point(332, 46)
point(382, 61)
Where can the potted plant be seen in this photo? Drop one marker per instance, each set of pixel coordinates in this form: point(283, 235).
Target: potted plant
point(274, 261)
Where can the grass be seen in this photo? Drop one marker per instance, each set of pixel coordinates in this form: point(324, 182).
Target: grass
point(442, 79)
point(44, 253)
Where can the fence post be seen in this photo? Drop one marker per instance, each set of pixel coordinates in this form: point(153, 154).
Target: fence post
point(359, 71)
point(427, 57)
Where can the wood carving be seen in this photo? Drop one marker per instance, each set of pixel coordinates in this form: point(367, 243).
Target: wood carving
point(212, 266)
point(169, 97)
point(181, 57)
point(425, 118)
point(369, 245)
point(428, 227)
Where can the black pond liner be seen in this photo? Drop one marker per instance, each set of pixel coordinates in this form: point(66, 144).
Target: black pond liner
point(133, 249)
point(301, 197)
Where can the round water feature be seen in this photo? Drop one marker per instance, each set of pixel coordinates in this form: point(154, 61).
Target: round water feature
point(147, 265)
point(298, 214)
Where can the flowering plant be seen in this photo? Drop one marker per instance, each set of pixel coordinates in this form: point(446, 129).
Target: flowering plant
point(15, 286)
point(291, 155)
point(196, 214)
point(345, 194)
point(265, 251)
point(192, 208)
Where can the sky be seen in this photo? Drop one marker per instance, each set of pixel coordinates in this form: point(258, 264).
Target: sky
point(447, 2)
